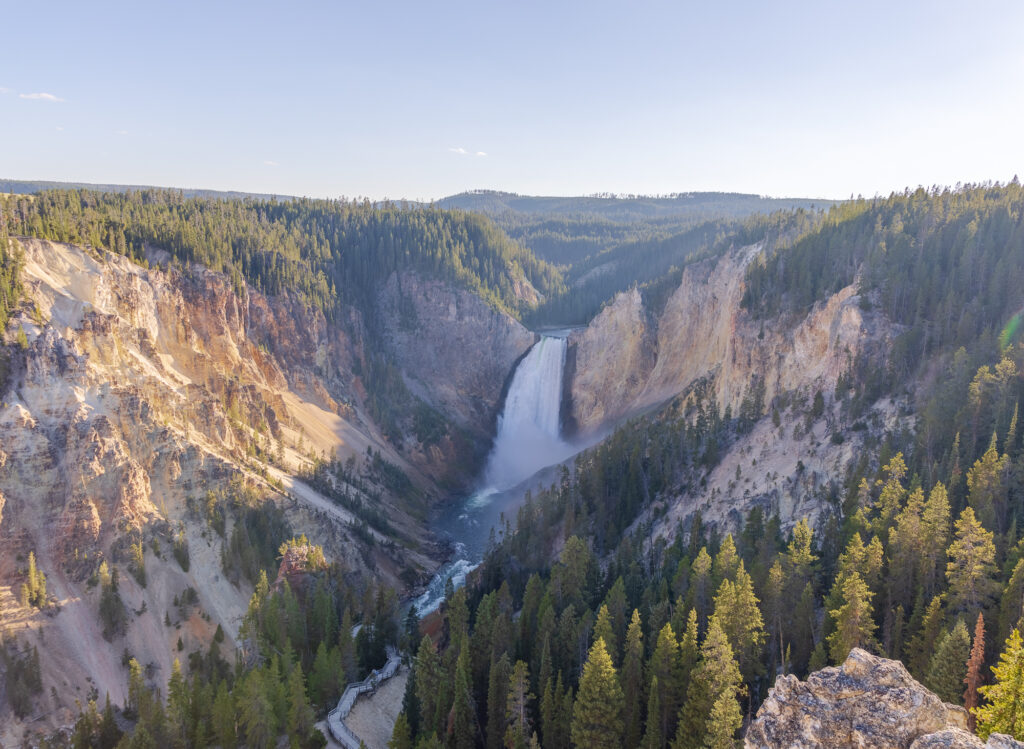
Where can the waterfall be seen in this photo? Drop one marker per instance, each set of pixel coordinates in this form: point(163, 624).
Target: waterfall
point(528, 439)
point(529, 434)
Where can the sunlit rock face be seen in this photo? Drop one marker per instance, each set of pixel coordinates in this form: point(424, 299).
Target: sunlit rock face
point(630, 357)
point(869, 703)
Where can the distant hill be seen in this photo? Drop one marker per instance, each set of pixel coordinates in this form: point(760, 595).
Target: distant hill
point(628, 208)
point(30, 186)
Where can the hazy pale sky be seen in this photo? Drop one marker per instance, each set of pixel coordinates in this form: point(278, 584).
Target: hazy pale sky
point(424, 99)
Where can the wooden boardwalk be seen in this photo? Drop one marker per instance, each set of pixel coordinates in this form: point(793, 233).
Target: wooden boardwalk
point(336, 718)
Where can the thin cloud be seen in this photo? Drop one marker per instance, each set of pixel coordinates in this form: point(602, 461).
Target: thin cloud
point(463, 152)
point(6, 90)
point(40, 97)
point(268, 162)
point(122, 132)
point(60, 127)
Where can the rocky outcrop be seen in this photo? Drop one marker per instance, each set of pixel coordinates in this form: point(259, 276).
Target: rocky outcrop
point(869, 702)
point(455, 350)
point(630, 358)
point(613, 359)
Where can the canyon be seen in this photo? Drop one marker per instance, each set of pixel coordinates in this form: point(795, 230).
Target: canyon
point(142, 389)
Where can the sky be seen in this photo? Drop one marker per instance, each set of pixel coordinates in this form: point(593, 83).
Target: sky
point(420, 100)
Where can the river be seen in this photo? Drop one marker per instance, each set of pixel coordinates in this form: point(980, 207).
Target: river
point(528, 440)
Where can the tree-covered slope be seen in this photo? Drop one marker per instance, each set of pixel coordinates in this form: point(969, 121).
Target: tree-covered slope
point(947, 264)
point(326, 251)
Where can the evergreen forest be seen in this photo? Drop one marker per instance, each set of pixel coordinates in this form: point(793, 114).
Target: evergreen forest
point(583, 626)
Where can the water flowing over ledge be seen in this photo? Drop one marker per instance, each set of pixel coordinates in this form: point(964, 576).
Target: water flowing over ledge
point(528, 440)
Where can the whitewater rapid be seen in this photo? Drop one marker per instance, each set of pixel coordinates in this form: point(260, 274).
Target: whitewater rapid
point(528, 439)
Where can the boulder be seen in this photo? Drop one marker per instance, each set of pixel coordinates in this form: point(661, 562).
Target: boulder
point(867, 702)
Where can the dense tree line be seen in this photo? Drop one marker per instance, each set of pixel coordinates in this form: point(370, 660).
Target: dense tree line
point(626, 209)
point(10, 278)
point(677, 643)
point(328, 252)
point(948, 264)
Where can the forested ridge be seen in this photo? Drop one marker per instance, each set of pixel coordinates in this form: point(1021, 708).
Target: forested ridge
point(948, 264)
point(332, 255)
point(327, 252)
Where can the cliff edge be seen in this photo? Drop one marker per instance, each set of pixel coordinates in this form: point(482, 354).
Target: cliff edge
point(869, 702)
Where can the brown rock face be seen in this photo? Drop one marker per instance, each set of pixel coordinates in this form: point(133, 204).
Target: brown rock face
point(869, 703)
point(455, 350)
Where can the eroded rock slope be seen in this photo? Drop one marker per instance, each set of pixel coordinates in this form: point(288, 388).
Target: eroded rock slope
point(141, 390)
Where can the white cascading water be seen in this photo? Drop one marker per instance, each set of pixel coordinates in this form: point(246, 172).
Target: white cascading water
point(529, 434)
point(528, 439)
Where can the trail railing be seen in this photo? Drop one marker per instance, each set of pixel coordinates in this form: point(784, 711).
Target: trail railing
point(336, 718)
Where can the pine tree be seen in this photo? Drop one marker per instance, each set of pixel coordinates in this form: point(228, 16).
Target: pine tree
point(891, 497)
point(464, 726)
point(726, 563)
point(854, 626)
point(736, 608)
point(716, 678)
point(1004, 708)
point(551, 722)
point(906, 551)
point(948, 666)
point(986, 491)
point(973, 678)
point(497, 694)
point(701, 589)
point(618, 611)
point(224, 728)
point(597, 714)
point(923, 642)
point(935, 523)
point(665, 666)
point(632, 680)
point(603, 629)
point(517, 708)
point(564, 718)
point(177, 707)
point(401, 736)
point(109, 733)
point(689, 653)
point(802, 627)
point(971, 569)
point(428, 687)
point(136, 689)
point(773, 611)
point(324, 680)
point(653, 737)
point(724, 721)
point(256, 712)
point(1011, 604)
point(300, 714)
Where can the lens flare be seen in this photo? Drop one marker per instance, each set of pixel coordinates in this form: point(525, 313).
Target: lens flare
point(1010, 331)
